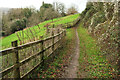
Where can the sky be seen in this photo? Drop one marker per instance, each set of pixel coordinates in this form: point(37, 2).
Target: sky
point(80, 4)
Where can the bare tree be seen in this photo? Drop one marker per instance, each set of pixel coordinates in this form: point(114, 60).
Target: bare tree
point(59, 7)
point(50, 14)
point(72, 10)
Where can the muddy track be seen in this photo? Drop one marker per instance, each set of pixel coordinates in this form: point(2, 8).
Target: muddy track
point(71, 70)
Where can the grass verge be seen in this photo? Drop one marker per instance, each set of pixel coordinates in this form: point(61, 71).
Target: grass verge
point(92, 63)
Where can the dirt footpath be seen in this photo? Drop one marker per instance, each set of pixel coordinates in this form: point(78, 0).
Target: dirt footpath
point(71, 70)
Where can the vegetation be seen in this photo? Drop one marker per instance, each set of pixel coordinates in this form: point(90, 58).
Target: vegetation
point(101, 21)
point(62, 58)
point(20, 18)
point(6, 42)
point(98, 34)
point(16, 19)
point(91, 59)
point(72, 10)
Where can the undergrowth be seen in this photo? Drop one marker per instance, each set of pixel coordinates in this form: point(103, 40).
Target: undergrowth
point(91, 60)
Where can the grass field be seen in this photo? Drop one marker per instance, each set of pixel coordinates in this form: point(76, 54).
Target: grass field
point(91, 59)
point(6, 41)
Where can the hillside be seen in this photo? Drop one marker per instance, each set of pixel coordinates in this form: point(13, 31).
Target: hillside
point(101, 20)
point(6, 41)
point(83, 46)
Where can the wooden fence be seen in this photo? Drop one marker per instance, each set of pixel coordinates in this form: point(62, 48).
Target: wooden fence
point(70, 24)
point(19, 61)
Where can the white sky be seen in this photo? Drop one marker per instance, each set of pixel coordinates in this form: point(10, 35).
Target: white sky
point(81, 4)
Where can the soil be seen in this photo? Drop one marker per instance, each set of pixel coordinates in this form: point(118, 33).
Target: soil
point(71, 70)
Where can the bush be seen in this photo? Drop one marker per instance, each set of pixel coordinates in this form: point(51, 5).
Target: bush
point(99, 18)
point(88, 7)
point(18, 25)
point(2, 33)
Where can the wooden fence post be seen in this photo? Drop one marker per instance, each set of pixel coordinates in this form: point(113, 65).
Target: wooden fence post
point(16, 72)
point(53, 39)
point(67, 25)
point(59, 37)
point(118, 4)
point(53, 25)
point(58, 31)
point(42, 48)
point(64, 32)
point(72, 23)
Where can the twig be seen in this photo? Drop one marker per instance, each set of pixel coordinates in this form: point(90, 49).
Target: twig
point(18, 37)
point(28, 36)
point(23, 36)
point(32, 34)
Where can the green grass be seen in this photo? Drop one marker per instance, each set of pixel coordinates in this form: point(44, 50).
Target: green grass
point(67, 20)
point(6, 41)
point(91, 59)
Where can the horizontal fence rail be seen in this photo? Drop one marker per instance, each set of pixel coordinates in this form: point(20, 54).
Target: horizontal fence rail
point(69, 24)
point(19, 61)
point(72, 24)
point(23, 59)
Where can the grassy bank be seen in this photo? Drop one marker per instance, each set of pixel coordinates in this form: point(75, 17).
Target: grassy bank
point(92, 63)
point(6, 41)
